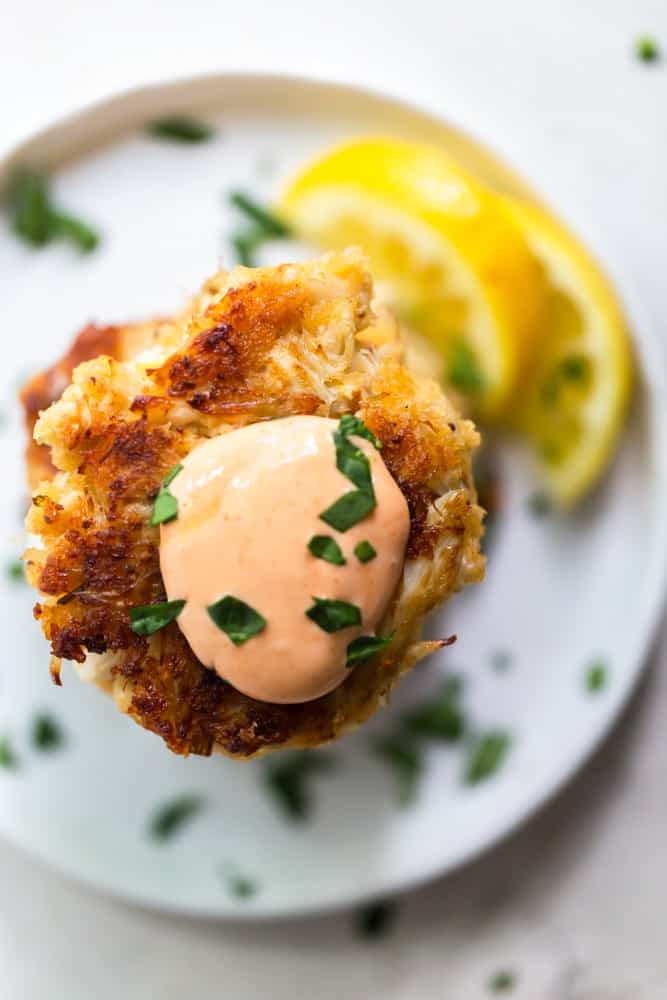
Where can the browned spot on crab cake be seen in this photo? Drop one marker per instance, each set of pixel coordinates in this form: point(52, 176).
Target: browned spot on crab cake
point(289, 347)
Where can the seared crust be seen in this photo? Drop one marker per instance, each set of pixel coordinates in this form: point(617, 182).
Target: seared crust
point(254, 345)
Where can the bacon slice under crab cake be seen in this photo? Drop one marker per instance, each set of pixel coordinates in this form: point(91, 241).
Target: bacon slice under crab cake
point(253, 345)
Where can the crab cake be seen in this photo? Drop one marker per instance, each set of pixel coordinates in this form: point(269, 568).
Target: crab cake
point(260, 359)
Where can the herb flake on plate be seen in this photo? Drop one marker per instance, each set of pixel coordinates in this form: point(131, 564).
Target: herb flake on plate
point(236, 619)
point(288, 781)
point(327, 548)
point(405, 759)
point(239, 886)
point(441, 716)
point(597, 676)
point(16, 570)
point(37, 221)
point(180, 128)
point(647, 49)
point(150, 618)
point(375, 920)
point(46, 734)
point(8, 759)
point(170, 818)
point(333, 615)
point(268, 225)
point(486, 755)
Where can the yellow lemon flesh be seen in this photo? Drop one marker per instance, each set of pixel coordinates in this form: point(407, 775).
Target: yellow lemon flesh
point(445, 254)
point(573, 403)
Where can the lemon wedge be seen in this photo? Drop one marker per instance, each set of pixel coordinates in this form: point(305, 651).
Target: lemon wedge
point(444, 254)
point(575, 399)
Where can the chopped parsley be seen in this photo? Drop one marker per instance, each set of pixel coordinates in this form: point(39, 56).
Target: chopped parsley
point(352, 507)
point(327, 548)
point(502, 981)
point(262, 225)
point(463, 371)
point(8, 758)
point(46, 734)
point(240, 886)
point(501, 660)
point(333, 615)
point(152, 617)
point(364, 647)
point(364, 551)
point(236, 618)
point(180, 128)
point(441, 717)
point(647, 49)
point(375, 920)
point(597, 676)
point(348, 510)
point(268, 224)
point(165, 508)
point(349, 424)
point(288, 778)
point(539, 504)
point(171, 817)
point(16, 570)
point(405, 758)
point(486, 755)
point(37, 221)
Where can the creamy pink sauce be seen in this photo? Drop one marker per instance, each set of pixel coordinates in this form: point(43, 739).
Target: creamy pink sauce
point(248, 504)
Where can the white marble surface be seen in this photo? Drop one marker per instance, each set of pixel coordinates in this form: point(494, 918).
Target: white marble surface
point(575, 902)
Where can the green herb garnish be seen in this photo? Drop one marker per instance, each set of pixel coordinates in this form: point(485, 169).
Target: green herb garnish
point(501, 660)
point(236, 618)
point(374, 920)
point(348, 510)
point(596, 676)
point(16, 570)
point(170, 818)
point(268, 225)
point(646, 49)
point(353, 463)
point(46, 734)
point(165, 508)
point(463, 371)
point(245, 245)
point(333, 615)
point(502, 982)
point(152, 617)
point(364, 551)
point(349, 424)
point(180, 128)
point(441, 717)
point(364, 647)
point(37, 221)
point(327, 548)
point(287, 779)
point(239, 885)
point(486, 755)
point(539, 504)
point(264, 225)
point(405, 758)
point(8, 758)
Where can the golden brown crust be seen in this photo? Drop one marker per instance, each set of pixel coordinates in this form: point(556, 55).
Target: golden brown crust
point(278, 344)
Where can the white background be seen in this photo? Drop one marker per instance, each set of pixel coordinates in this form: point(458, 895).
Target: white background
point(576, 902)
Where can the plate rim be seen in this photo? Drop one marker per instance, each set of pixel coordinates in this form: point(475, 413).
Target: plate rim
point(651, 358)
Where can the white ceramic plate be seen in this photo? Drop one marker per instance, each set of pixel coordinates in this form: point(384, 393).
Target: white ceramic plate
point(559, 593)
